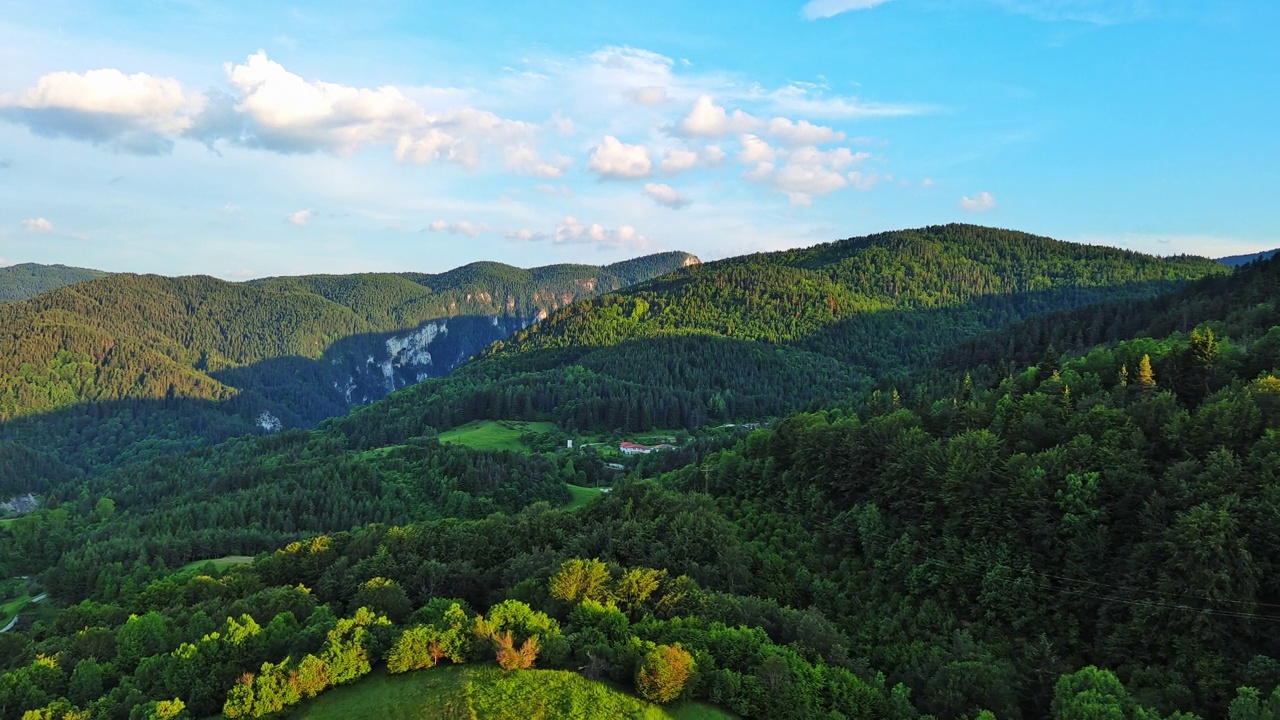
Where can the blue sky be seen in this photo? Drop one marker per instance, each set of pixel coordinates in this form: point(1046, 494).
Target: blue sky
point(249, 139)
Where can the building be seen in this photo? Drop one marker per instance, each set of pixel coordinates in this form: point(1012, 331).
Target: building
point(629, 448)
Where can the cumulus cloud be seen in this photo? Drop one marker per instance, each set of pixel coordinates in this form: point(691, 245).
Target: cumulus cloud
point(666, 195)
point(613, 158)
point(300, 218)
point(572, 230)
point(805, 171)
point(818, 9)
point(461, 227)
point(524, 159)
point(679, 159)
point(802, 132)
point(138, 113)
point(755, 150)
point(288, 113)
point(709, 120)
point(525, 234)
point(980, 202)
point(39, 225)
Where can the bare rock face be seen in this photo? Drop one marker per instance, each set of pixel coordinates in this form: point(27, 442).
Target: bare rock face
point(19, 504)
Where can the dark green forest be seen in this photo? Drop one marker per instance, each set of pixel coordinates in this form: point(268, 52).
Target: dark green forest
point(999, 477)
point(129, 367)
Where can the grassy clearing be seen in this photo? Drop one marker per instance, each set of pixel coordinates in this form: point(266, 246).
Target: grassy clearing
point(487, 693)
point(6, 521)
point(9, 608)
point(219, 563)
point(581, 496)
point(494, 434)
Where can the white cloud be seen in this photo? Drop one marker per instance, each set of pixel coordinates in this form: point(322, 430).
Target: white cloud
point(527, 235)
point(981, 202)
point(230, 208)
point(613, 158)
point(39, 225)
point(803, 132)
point(572, 230)
point(291, 114)
point(281, 111)
point(707, 119)
point(678, 159)
point(755, 150)
point(760, 172)
point(462, 227)
point(806, 171)
point(137, 113)
point(524, 159)
point(817, 9)
point(648, 95)
point(802, 181)
point(300, 218)
point(666, 195)
point(927, 182)
point(805, 99)
point(712, 155)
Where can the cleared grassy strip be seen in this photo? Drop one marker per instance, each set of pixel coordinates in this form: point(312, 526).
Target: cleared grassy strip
point(487, 693)
point(219, 563)
point(9, 608)
point(581, 496)
point(494, 434)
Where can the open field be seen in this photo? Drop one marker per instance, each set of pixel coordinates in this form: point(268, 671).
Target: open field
point(220, 563)
point(494, 434)
point(581, 496)
point(487, 693)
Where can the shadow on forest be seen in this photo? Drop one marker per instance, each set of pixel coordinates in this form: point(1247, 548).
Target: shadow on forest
point(300, 392)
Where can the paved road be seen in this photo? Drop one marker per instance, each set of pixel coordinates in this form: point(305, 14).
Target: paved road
point(14, 621)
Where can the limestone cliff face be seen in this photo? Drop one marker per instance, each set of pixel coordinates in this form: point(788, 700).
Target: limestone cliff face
point(369, 368)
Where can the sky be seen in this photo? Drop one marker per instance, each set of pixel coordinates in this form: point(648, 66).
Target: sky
point(244, 140)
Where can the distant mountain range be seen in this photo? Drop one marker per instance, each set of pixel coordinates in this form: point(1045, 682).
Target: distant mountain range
point(19, 282)
point(1238, 260)
point(127, 366)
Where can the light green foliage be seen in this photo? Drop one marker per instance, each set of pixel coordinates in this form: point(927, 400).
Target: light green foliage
point(580, 579)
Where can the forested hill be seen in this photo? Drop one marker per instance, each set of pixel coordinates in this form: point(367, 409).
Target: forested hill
point(19, 282)
point(769, 333)
point(1091, 536)
point(1238, 260)
point(177, 360)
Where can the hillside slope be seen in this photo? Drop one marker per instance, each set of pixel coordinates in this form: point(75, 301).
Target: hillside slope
point(180, 360)
point(771, 333)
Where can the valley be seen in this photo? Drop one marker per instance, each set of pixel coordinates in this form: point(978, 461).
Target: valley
point(949, 472)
